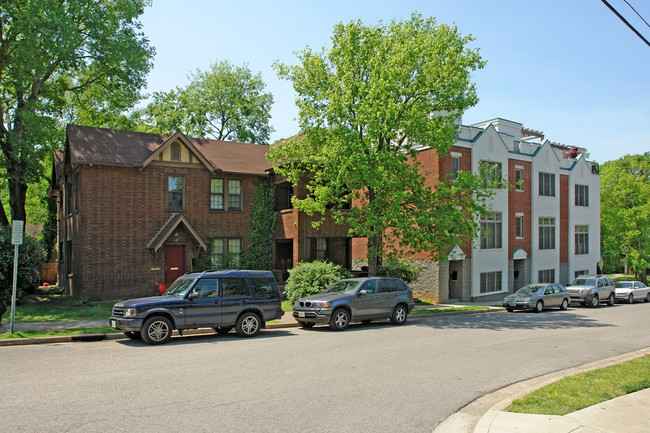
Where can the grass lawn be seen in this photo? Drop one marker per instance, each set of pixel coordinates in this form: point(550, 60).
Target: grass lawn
point(447, 310)
point(59, 332)
point(586, 389)
point(50, 306)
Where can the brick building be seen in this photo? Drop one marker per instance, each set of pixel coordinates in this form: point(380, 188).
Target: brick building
point(545, 228)
point(137, 210)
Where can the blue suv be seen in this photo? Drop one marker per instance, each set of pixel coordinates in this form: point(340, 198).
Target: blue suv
point(245, 300)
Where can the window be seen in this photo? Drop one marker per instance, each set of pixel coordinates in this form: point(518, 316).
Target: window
point(582, 195)
point(263, 288)
point(218, 198)
point(547, 184)
point(206, 288)
point(578, 273)
point(175, 192)
point(321, 248)
point(455, 166)
point(491, 231)
point(490, 282)
point(176, 151)
point(582, 239)
point(491, 173)
point(546, 276)
point(283, 194)
point(226, 253)
point(519, 226)
point(546, 233)
point(369, 286)
point(232, 287)
point(216, 194)
point(519, 179)
point(234, 195)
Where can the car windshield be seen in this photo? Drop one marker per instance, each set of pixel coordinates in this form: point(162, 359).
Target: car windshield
point(583, 282)
point(528, 290)
point(343, 286)
point(623, 285)
point(180, 287)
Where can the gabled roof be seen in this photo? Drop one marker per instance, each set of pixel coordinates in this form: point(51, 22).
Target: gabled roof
point(100, 146)
point(168, 228)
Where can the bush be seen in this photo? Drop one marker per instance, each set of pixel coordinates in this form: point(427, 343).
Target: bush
point(310, 278)
point(30, 259)
point(406, 269)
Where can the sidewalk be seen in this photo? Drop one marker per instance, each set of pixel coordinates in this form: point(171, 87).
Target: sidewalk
point(488, 414)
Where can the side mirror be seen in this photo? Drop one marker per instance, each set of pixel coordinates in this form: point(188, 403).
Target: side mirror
point(193, 295)
point(363, 292)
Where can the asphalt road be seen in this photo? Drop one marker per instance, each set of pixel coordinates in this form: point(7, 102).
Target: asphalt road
point(375, 377)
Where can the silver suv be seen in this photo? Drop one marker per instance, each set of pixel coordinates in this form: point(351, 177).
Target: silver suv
point(590, 290)
point(356, 299)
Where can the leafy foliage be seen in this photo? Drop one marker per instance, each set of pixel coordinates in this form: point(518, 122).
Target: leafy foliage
point(406, 269)
point(60, 58)
point(226, 102)
point(30, 259)
point(625, 212)
point(367, 106)
point(309, 278)
point(262, 226)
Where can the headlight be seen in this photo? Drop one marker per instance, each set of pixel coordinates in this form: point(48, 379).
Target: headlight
point(130, 312)
point(584, 291)
point(321, 304)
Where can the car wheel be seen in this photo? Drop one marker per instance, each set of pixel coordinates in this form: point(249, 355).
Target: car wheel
point(611, 299)
point(156, 330)
point(539, 307)
point(132, 335)
point(223, 329)
point(594, 301)
point(630, 299)
point(306, 325)
point(647, 297)
point(565, 304)
point(510, 310)
point(399, 315)
point(340, 320)
point(248, 325)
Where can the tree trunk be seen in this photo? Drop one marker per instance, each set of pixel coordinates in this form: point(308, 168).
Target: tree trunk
point(3, 215)
point(17, 199)
point(375, 250)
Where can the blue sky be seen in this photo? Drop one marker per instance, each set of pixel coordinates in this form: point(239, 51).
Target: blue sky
point(569, 68)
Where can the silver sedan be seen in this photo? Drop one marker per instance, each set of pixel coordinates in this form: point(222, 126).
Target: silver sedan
point(537, 297)
point(630, 291)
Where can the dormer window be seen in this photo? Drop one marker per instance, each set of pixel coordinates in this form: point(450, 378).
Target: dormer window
point(176, 151)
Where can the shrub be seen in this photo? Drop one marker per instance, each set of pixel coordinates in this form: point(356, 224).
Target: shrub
point(406, 269)
point(309, 278)
point(30, 259)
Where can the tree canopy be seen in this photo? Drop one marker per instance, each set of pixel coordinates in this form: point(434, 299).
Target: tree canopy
point(226, 102)
point(55, 56)
point(625, 212)
point(367, 106)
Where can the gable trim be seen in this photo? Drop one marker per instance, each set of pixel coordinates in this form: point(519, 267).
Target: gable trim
point(168, 228)
point(178, 135)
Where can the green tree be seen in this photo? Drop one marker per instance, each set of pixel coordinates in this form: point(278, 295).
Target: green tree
point(625, 212)
point(51, 53)
point(226, 102)
point(366, 107)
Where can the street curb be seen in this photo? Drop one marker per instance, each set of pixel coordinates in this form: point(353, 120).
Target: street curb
point(120, 336)
point(478, 415)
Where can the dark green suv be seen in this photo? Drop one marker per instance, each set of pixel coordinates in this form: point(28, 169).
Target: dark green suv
point(245, 300)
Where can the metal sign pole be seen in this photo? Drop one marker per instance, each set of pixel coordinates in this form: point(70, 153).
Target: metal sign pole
point(16, 239)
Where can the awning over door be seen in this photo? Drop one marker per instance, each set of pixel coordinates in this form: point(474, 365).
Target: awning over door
point(168, 228)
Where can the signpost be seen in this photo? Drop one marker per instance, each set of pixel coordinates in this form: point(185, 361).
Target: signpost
point(16, 239)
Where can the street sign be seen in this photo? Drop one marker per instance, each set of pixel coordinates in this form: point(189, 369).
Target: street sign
point(17, 232)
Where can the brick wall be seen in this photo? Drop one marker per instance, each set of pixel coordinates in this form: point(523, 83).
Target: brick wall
point(520, 201)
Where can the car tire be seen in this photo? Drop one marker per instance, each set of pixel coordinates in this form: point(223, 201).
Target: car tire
point(156, 330)
point(630, 299)
point(595, 301)
point(565, 304)
point(248, 325)
point(539, 306)
point(306, 325)
point(611, 299)
point(223, 329)
point(340, 319)
point(647, 297)
point(399, 315)
point(510, 310)
point(131, 335)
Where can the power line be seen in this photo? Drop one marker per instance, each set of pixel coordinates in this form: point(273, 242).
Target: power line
point(626, 23)
point(638, 14)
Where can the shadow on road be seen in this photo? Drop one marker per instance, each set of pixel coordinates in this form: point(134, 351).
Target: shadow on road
point(209, 338)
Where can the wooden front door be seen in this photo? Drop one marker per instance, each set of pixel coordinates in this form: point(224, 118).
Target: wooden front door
point(174, 262)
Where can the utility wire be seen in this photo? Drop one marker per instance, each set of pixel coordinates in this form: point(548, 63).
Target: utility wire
point(638, 14)
point(626, 23)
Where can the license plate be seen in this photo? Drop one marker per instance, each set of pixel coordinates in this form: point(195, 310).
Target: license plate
point(301, 314)
point(113, 324)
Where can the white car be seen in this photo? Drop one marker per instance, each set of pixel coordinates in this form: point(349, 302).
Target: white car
point(630, 291)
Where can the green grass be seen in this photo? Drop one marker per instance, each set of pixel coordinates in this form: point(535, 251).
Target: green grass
point(586, 389)
point(58, 332)
point(50, 306)
point(447, 310)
